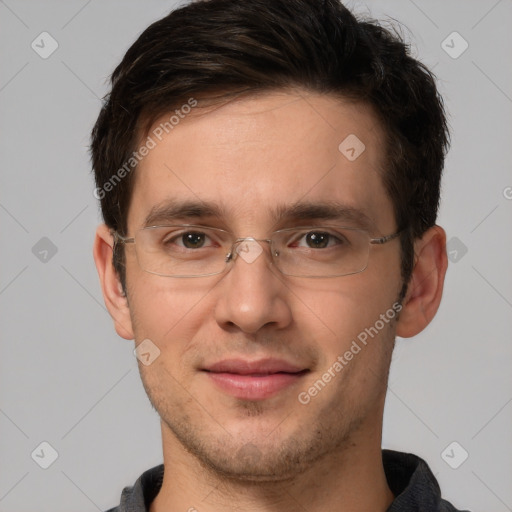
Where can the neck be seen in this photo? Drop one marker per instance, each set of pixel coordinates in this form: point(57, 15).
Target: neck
point(351, 479)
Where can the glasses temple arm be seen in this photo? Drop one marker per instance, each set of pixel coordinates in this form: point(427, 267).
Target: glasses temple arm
point(384, 239)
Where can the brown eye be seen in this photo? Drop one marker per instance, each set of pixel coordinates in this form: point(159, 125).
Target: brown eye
point(193, 240)
point(317, 240)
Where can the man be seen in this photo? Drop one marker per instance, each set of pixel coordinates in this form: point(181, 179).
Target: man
point(269, 177)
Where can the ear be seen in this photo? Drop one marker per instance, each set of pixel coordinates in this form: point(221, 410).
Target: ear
point(113, 295)
point(426, 285)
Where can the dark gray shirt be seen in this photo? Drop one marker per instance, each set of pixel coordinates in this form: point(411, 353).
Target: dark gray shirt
point(409, 478)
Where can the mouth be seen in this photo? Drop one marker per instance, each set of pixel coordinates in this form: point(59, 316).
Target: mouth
point(254, 380)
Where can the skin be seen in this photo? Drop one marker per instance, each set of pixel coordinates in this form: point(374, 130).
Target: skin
point(223, 453)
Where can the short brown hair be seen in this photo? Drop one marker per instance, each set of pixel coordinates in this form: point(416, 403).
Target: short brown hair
point(226, 47)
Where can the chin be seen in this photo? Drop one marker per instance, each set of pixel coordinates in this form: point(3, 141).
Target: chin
point(252, 464)
point(272, 455)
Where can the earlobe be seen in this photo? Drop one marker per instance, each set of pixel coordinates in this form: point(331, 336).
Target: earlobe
point(426, 285)
point(113, 295)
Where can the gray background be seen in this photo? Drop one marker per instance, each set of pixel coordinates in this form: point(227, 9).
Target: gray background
point(65, 376)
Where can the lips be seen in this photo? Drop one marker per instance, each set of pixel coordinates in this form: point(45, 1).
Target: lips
point(263, 367)
point(254, 380)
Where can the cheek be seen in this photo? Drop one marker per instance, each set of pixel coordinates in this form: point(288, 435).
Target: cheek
point(348, 301)
point(335, 313)
point(168, 309)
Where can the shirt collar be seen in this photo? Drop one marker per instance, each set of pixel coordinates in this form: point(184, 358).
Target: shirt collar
point(408, 476)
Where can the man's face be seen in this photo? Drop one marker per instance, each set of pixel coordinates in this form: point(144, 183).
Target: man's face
point(253, 160)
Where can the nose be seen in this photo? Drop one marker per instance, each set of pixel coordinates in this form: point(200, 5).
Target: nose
point(252, 295)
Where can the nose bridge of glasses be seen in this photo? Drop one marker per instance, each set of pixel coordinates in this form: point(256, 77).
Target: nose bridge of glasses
point(248, 248)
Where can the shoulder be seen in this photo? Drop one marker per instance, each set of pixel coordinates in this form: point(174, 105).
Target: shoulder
point(413, 484)
point(138, 497)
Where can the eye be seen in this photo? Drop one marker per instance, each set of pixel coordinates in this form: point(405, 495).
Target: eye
point(188, 240)
point(193, 240)
point(318, 240)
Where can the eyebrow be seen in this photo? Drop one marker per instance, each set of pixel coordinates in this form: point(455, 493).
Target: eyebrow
point(172, 210)
point(184, 210)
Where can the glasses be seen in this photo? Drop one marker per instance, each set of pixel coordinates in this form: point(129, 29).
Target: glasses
point(199, 251)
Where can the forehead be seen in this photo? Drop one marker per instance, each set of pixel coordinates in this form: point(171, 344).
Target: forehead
point(256, 158)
